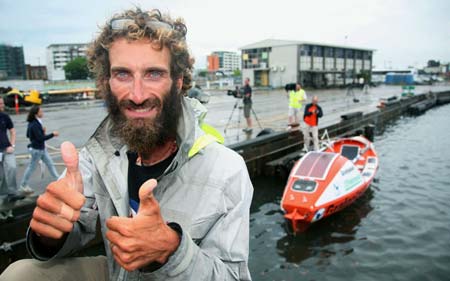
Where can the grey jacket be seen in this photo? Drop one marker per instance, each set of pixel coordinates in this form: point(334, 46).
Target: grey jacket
point(208, 195)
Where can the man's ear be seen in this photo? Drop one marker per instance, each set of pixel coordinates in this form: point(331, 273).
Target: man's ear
point(179, 83)
point(104, 86)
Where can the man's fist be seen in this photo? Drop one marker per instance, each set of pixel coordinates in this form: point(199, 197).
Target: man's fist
point(59, 206)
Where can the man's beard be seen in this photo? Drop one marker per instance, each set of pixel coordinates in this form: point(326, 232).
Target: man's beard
point(142, 135)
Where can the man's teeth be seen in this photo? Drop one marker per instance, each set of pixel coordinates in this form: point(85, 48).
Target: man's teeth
point(143, 110)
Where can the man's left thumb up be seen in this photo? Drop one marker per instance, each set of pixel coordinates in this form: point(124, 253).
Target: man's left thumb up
point(146, 198)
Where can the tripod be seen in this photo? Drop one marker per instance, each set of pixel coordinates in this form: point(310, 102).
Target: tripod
point(239, 106)
point(351, 94)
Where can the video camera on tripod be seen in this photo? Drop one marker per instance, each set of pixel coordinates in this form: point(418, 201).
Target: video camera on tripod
point(290, 87)
point(238, 93)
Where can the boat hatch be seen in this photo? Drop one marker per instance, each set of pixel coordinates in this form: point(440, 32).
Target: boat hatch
point(350, 151)
point(304, 185)
point(316, 165)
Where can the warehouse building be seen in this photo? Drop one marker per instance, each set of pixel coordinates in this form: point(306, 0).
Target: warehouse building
point(274, 63)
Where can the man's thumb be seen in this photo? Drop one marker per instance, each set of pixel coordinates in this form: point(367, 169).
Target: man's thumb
point(69, 155)
point(146, 196)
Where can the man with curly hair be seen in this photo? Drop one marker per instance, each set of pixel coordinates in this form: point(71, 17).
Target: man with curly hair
point(172, 203)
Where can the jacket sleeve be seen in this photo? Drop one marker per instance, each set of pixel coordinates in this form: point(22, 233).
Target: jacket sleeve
point(320, 114)
point(37, 133)
point(307, 113)
point(84, 229)
point(223, 253)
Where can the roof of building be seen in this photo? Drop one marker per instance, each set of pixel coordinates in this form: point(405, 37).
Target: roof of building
point(67, 44)
point(224, 52)
point(278, 43)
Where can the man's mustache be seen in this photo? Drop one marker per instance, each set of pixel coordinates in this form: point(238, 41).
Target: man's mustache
point(148, 103)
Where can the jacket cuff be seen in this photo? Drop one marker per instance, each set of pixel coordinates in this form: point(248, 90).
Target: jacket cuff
point(33, 246)
point(40, 252)
point(180, 260)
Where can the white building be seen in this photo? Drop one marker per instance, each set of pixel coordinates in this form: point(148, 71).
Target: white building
point(58, 55)
point(228, 61)
point(278, 62)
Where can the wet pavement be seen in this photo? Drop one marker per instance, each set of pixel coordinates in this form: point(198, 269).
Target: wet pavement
point(76, 121)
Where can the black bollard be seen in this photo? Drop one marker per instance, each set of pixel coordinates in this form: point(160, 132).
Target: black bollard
point(369, 132)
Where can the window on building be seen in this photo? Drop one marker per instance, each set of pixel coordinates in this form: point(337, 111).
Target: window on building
point(317, 51)
point(339, 53)
point(305, 50)
point(367, 55)
point(350, 54)
point(329, 52)
point(359, 55)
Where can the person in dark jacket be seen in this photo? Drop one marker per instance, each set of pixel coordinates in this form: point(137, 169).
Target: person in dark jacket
point(311, 117)
point(37, 136)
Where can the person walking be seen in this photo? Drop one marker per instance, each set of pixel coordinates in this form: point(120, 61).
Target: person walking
point(311, 117)
point(295, 105)
point(37, 136)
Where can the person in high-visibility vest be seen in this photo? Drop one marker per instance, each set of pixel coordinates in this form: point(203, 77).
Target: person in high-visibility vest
point(311, 117)
point(295, 105)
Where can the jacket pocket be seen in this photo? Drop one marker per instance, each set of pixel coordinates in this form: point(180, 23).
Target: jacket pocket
point(201, 227)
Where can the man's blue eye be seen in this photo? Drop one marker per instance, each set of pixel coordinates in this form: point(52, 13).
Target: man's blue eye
point(154, 74)
point(122, 74)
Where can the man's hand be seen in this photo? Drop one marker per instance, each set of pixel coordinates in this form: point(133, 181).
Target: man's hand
point(144, 239)
point(55, 133)
point(10, 149)
point(59, 206)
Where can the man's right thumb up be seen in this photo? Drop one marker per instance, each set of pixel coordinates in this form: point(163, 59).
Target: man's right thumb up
point(69, 155)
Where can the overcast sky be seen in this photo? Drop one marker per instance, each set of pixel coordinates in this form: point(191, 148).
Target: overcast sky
point(403, 32)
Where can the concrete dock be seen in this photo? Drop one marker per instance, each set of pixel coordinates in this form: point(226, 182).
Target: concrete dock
point(76, 121)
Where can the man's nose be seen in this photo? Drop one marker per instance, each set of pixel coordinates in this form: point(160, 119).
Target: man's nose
point(137, 94)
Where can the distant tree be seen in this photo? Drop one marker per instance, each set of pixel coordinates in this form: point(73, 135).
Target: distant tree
point(203, 73)
point(77, 69)
point(237, 73)
point(433, 63)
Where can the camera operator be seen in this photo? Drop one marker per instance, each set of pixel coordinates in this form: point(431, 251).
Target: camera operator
point(247, 99)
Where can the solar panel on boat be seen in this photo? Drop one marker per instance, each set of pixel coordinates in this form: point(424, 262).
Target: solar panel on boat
point(315, 164)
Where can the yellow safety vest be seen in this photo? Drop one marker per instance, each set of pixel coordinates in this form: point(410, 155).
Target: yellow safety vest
point(295, 97)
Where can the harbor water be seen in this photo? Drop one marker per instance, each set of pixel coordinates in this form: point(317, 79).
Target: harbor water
point(399, 229)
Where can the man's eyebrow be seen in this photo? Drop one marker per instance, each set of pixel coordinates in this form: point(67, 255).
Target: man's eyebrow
point(157, 68)
point(119, 68)
point(148, 69)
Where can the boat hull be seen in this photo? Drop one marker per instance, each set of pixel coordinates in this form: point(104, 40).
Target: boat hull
point(323, 183)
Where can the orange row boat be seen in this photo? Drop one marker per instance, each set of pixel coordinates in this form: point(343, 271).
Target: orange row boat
point(325, 182)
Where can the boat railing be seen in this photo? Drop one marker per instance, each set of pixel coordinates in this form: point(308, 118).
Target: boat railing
point(325, 141)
